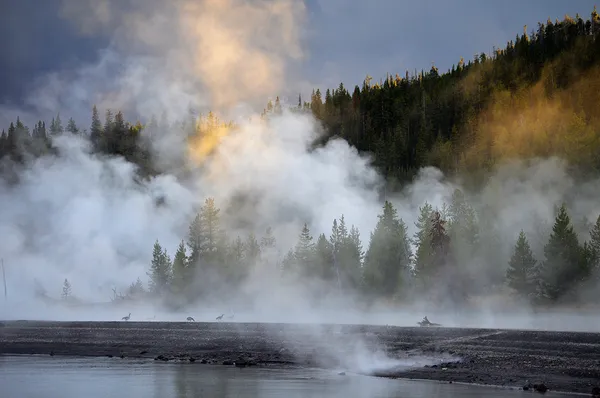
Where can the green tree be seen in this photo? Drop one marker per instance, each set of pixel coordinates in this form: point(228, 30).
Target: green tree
point(72, 127)
point(180, 270)
point(564, 265)
point(521, 274)
point(387, 261)
point(206, 240)
point(594, 246)
point(322, 266)
point(304, 251)
point(160, 270)
point(96, 128)
point(56, 126)
point(422, 240)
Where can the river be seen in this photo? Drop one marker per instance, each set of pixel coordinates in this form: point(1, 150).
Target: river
point(60, 377)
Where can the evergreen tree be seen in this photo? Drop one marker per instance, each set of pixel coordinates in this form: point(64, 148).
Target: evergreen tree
point(521, 274)
point(387, 262)
point(56, 126)
point(347, 254)
point(194, 240)
point(564, 265)
point(439, 241)
point(268, 241)
point(95, 128)
point(136, 289)
point(180, 269)
point(350, 260)
point(72, 127)
point(594, 247)
point(160, 270)
point(66, 290)
point(252, 250)
point(463, 228)
point(422, 240)
point(304, 252)
point(237, 261)
point(206, 240)
point(323, 265)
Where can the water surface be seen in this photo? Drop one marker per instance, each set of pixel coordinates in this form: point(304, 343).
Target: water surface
point(60, 377)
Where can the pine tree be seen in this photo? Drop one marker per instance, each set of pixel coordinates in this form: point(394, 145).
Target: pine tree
point(136, 289)
point(206, 240)
point(237, 264)
point(304, 251)
point(350, 260)
point(463, 229)
point(564, 263)
point(594, 247)
point(194, 240)
point(160, 270)
point(521, 274)
point(56, 126)
point(323, 265)
point(72, 127)
point(95, 128)
point(439, 241)
point(66, 290)
point(387, 262)
point(180, 269)
point(252, 250)
point(422, 240)
point(268, 241)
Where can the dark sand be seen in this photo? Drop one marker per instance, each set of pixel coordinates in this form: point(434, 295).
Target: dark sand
point(563, 361)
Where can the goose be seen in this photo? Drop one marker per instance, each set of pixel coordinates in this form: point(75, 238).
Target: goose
point(126, 318)
point(189, 318)
point(220, 317)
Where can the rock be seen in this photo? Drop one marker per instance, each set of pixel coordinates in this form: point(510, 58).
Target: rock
point(228, 362)
point(192, 359)
point(51, 353)
point(540, 388)
point(161, 358)
point(110, 355)
point(143, 352)
point(596, 392)
point(122, 356)
point(203, 361)
point(342, 373)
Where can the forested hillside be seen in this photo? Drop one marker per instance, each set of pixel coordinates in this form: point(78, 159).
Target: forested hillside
point(537, 97)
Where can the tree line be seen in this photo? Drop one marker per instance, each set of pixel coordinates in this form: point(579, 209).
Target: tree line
point(446, 261)
point(533, 98)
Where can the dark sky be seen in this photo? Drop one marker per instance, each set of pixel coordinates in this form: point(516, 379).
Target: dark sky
point(347, 38)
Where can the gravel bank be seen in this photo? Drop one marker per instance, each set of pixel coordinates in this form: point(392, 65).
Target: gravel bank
point(562, 361)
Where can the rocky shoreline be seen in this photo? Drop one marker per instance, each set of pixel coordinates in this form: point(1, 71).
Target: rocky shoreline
point(531, 360)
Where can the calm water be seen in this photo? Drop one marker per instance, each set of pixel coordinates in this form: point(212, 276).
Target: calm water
point(52, 377)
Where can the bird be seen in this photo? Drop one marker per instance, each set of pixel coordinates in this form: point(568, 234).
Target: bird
point(189, 318)
point(126, 318)
point(220, 317)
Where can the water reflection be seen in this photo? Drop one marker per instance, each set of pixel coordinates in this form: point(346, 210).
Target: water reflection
point(28, 377)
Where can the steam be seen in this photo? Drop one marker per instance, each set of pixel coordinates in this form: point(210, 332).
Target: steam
point(88, 219)
point(170, 55)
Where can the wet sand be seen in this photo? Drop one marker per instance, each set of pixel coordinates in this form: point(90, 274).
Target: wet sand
point(562, 361)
